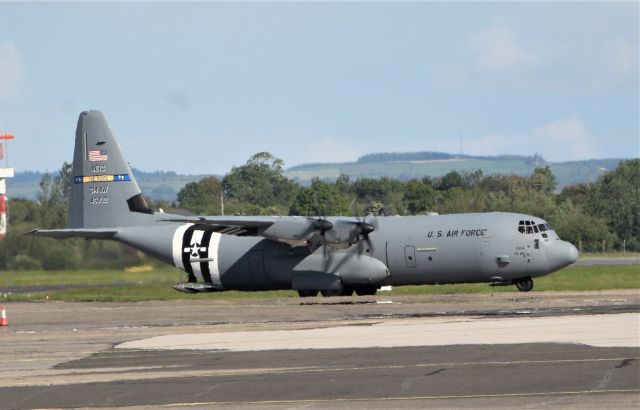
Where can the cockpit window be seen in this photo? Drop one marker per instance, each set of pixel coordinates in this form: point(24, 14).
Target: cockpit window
point(530, 227)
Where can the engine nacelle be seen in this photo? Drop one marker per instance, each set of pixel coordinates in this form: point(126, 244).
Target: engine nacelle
point(320, 272)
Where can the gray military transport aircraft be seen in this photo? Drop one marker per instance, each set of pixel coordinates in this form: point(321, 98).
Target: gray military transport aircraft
point(333, 255)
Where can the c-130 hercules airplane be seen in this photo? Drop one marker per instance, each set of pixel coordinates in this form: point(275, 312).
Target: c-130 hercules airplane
point(334, 255)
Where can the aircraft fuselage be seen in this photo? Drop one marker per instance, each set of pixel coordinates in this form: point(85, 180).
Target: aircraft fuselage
point(416, 250)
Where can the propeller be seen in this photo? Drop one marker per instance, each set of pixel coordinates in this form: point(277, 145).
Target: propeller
point(320, 226)
point(362, 231)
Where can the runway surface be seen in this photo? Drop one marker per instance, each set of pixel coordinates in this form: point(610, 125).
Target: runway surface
point(608, 261)
point(491, 351)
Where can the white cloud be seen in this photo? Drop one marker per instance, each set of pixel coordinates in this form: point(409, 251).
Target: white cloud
point(329, 150)
point(566, 138)
point(11, 70)
point(495, 48)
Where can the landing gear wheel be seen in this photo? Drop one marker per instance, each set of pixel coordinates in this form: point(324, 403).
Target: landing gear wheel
point(307, 293)
point(525, 285)
point(347, 291)
point(366, 291)
point(343, 291)
point(331, 293)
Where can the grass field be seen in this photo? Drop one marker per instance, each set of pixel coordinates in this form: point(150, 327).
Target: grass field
point(127, 286)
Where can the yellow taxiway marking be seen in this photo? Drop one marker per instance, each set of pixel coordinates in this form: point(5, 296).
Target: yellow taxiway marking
point(55, 377)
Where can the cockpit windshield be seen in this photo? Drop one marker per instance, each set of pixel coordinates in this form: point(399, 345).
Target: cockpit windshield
point(530, 227)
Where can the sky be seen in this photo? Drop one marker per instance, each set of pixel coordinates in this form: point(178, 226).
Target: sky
point(200, 87)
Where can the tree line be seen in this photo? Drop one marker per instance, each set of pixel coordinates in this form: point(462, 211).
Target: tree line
point(585, 214)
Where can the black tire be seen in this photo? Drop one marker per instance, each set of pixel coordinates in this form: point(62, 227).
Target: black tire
point(331, 293)
point(366, 291)
point(307, 293)
point(343, 291)
point(525, 285)
point(347, 291)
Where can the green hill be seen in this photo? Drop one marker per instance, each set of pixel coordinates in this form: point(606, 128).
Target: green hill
point(405, 166)
point(164, 185)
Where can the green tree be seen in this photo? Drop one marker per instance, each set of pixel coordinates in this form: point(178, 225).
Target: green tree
point(472, 179)
point(320, 199)
point(579, 228)
point(384, 191)
point(616, 198)
point(54, 198)
point(260, 182)
point(578, 194)
point(452, 179)
point(418, 196)
point(202, 197)
point(543, 179)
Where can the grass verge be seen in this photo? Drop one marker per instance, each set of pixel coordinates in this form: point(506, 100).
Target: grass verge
point(121, 286)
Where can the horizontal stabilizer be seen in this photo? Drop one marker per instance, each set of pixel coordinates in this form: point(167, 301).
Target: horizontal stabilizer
point(97, 233)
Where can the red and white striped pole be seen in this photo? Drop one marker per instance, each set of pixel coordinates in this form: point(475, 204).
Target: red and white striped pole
point(3, 209)
point(5, 172)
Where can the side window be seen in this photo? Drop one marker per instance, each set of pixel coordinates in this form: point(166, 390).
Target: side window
point(535, 228)
point(521, 227)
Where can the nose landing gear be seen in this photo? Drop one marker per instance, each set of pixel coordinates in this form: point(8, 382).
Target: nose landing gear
point(524, 285)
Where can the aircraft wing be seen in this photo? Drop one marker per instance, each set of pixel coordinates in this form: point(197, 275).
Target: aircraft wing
point(239, 226)
point(293, 230)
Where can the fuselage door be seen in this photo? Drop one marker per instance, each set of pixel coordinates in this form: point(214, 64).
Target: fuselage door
point(410, 255)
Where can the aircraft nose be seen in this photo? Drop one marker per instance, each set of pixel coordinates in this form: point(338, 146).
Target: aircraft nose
point(573, 253)
point(561, 254)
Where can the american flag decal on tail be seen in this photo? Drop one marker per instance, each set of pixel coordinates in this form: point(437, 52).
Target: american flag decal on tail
point(98, 155)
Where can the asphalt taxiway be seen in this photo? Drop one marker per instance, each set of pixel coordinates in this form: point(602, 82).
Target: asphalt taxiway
point(569, 350)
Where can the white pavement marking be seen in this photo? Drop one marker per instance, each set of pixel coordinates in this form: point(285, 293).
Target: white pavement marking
point(611, 330)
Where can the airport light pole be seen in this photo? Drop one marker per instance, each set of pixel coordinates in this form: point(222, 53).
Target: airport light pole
point(5, 172)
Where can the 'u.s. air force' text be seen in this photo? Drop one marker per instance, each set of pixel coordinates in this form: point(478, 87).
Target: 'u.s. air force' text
point(457, 233)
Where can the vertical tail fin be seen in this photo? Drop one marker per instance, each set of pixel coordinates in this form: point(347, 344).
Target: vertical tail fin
point(105, 193)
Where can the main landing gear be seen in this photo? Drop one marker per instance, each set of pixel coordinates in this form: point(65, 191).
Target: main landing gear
point(345, 291)
point(524, 285)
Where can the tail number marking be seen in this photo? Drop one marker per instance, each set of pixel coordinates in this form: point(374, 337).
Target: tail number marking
point(98, 190)
point(99, 200)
